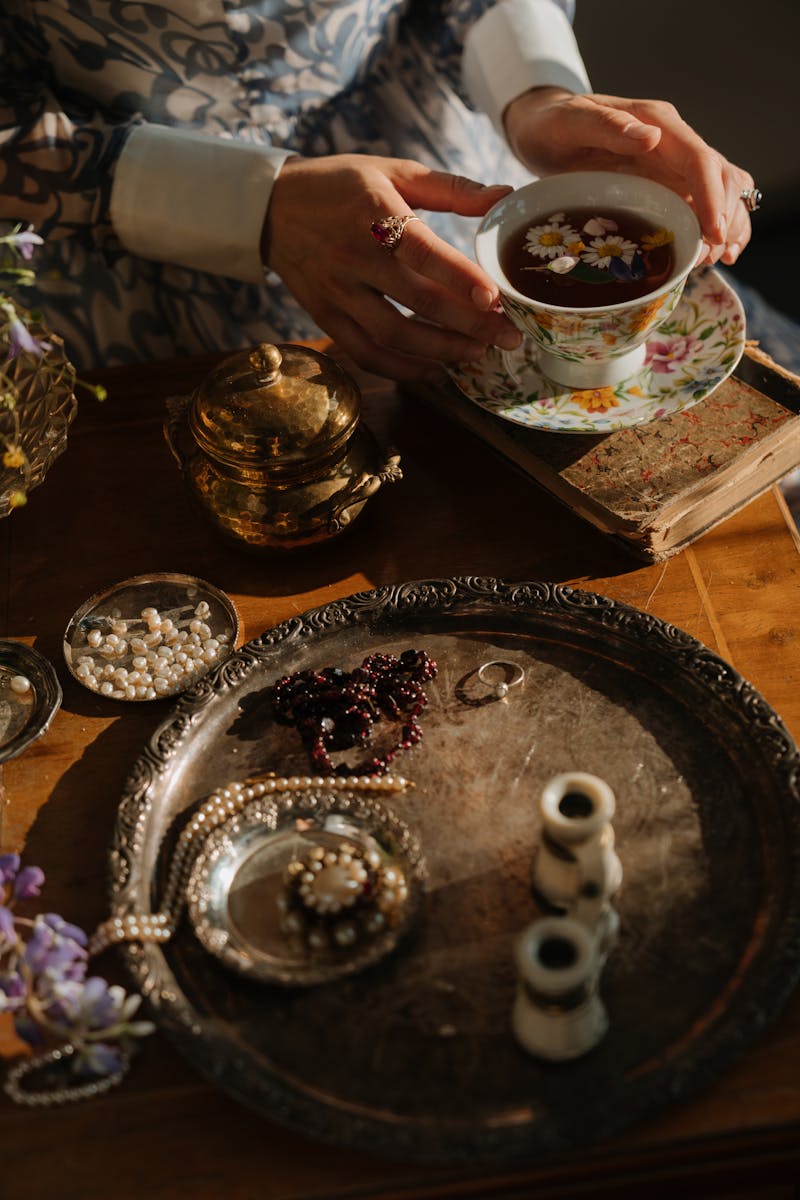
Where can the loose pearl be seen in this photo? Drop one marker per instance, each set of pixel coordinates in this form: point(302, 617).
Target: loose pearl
point(20, 684)
point(94, 637)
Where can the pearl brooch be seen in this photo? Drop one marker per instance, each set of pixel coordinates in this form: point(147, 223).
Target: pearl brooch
point(337, 896)
point(217, 809)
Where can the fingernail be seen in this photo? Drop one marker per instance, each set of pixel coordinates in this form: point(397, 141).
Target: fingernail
point(638, 131)
point(509, 339)
point(733, 251)
point(482, 298)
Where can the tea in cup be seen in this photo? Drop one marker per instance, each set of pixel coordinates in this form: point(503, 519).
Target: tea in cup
point(589, 264)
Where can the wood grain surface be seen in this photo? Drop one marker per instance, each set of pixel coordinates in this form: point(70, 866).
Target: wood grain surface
point(115, 506)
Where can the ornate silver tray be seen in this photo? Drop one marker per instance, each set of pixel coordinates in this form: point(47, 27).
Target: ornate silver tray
point(415, 1056)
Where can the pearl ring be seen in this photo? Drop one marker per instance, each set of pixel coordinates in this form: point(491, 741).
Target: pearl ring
point(513, 672)
point(752, 198)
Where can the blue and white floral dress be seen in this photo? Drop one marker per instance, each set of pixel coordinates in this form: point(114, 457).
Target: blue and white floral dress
point(372, 76)
point(87, 83)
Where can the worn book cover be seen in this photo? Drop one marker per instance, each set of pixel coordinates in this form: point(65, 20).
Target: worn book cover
point(656, 487)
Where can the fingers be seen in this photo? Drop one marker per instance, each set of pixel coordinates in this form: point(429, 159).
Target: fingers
point(371, 356)
point(693, 168)
point(438, 191)
point(428, 257)
point(341, 275)
point(600, 123)
point(739, 224)
point(445, 329)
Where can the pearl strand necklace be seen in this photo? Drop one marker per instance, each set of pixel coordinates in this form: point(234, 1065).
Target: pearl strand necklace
point(223, 803)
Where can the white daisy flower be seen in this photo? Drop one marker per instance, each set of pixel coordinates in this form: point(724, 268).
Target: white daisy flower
point(601, 250)
point(549, 240)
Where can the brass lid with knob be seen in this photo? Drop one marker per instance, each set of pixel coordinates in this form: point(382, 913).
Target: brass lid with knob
point(275, 407)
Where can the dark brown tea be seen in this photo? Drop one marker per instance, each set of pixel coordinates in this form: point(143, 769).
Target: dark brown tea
point(588, 258)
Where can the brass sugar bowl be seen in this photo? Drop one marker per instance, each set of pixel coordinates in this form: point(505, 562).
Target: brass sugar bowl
point(273, 449)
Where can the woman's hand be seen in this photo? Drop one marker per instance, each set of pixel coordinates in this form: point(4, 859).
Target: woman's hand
point(317, 238)
point(553, 130)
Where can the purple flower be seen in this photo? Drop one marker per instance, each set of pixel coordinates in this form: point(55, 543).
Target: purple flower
point(28, 883)
point(12, 992)
point(8, 932)
point(54, 946)
point(99, 1058)
point(90, 1005)
point(22, 340)
point(25, 242)
point(9, 865)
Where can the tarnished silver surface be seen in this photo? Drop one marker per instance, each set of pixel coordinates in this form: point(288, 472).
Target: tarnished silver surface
point(235, 884)
point(25, 717)
point(173, 594)
point(415, 1056)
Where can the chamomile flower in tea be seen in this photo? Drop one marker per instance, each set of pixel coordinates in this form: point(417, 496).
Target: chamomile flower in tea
point(585, 259)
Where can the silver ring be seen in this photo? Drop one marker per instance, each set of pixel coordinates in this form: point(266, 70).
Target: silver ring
point(513, 673)
point(752, 198)
point(389, 231)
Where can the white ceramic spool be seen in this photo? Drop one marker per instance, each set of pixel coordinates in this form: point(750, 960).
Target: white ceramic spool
point(558, 1013)
point(575, 868)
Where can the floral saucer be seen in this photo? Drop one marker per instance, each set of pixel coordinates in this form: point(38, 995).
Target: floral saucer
point(687, 357)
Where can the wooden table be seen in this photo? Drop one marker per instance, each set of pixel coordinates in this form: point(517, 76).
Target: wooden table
point(115, 506)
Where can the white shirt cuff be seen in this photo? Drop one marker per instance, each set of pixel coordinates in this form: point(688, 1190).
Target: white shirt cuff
point(517, 45)
point(199, 201)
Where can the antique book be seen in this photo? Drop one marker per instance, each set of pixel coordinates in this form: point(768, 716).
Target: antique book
point(658, 486)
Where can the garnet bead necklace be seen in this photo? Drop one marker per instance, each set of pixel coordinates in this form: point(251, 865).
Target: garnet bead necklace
point(336, 710)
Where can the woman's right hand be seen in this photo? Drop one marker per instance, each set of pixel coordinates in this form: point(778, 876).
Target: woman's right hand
point(317, 239)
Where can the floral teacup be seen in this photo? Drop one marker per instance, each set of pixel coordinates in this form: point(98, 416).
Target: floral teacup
point(589, 347)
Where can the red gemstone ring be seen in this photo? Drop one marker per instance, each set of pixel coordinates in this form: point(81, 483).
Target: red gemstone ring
point(388, 232)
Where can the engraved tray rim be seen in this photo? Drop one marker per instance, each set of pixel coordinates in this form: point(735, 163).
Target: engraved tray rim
point(769, 977)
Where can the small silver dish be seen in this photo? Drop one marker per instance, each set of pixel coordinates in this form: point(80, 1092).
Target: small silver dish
point(182, 600)
point(24, 716)
point(237, 883)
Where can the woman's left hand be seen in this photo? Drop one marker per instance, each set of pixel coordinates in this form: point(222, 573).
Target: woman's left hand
point(554, 130)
